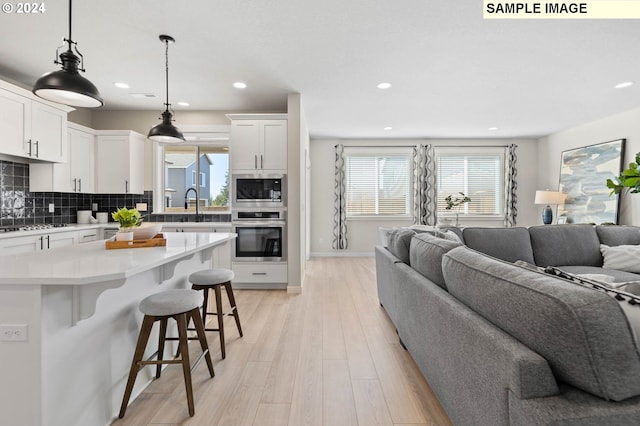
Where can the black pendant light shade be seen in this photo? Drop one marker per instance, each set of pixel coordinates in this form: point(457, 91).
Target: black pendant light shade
point(166, 132)
point(67, 86)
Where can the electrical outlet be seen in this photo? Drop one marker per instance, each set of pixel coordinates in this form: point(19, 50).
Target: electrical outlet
point(13, 332)
point(52, 208)
point(141, 207)
point(94, 207)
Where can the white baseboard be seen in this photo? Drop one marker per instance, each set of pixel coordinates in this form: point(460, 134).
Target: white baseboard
point(342, 254)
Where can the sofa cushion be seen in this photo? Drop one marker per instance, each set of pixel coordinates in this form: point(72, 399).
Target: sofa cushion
point(426, 256)
point(510, 244)
point(581, 332)
point(568, 245)
point(618, 235)
point(399, 241)
point(624, 257)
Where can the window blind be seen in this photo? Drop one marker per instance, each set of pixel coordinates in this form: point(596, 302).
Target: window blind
point(479, 176)
point(378, 185)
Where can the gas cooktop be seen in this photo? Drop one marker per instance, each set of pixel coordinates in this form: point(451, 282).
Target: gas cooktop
point(33, 227)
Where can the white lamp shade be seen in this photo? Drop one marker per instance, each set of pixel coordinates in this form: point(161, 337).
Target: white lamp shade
point(549, 197)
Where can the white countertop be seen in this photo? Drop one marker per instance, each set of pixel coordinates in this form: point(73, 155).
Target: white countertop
point(91, 262)
point(110, 225)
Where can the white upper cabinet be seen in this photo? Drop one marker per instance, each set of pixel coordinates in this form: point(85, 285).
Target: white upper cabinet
point(77, 174)
point(119, 162)
point(31, 128)
point(258, 144)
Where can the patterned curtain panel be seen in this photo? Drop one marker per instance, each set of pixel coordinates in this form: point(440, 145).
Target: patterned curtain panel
point(511, 185)
point(424, 186)
point(340, 206)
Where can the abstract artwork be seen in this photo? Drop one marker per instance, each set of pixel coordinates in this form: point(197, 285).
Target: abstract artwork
point(583, 177)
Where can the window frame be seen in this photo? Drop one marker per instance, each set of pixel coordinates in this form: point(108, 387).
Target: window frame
point(381, 152)
point(466, 152)
point(196, 135)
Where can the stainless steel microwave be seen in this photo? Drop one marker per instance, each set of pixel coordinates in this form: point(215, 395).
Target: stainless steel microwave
point(258, 191)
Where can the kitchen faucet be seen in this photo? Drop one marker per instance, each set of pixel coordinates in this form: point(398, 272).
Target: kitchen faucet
point(186, 202)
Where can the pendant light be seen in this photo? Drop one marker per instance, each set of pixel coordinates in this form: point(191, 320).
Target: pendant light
point(67, 86)
point(166, 132)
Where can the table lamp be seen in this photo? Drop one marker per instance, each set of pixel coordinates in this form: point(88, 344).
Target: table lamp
point(548, 197)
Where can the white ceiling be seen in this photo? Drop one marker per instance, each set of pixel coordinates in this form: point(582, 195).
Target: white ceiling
point(453, 73)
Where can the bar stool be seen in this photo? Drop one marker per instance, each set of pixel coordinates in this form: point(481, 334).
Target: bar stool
point(179, 305)
point(214, 279)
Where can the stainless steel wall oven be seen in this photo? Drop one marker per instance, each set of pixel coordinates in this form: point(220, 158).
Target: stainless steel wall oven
point(262, 235)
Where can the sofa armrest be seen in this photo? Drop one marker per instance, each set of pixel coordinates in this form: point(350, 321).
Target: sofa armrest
point(469, 363)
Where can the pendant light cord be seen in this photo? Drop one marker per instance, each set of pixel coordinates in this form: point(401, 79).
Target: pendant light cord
point(166, 56)
point(70, 39)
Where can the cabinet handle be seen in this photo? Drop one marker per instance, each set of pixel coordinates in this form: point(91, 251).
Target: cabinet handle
point(75, 185)
point(261, 165)
point(126, 186)
point(258, 273)
point(48, 241)
point(37, 149)
point(79, 185)
point(255, 161)
point(30, 143)
point(41, 243)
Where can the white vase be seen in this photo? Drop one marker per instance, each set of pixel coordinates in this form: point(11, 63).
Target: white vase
point(124, 236)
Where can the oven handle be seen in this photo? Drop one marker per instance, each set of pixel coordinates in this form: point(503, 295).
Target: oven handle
point(272, 224)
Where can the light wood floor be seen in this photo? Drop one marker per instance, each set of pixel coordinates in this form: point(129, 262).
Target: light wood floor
point(329, 356)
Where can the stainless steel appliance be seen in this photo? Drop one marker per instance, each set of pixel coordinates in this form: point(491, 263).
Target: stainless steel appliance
point(250, 191)
point(262, 235)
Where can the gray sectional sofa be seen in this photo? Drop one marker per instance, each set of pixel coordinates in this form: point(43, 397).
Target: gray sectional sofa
point(503, 344)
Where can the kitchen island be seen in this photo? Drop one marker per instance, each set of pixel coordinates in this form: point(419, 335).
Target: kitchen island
point(69, 322)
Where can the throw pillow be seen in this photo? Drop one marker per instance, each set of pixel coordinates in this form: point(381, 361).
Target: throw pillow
point(399, 243)
point(625, 258)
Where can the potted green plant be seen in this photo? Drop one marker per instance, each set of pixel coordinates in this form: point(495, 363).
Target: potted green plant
point(128, 219)
point(630, 179)
point(454, 202)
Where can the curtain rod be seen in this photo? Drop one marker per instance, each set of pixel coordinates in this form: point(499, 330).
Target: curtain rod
point(435, 146)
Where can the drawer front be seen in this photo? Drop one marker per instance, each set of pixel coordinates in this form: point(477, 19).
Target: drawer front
point(260, 273)
point(88, 235)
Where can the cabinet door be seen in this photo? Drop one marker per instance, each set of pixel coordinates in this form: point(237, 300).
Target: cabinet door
point(15, 112)
point(19, 245)
point(60, 239)
point(81, 161)
point(136, 163)
point(48, 133)
point(120, 164)
point(244, 145)
point(112, 164)
point(273, 154)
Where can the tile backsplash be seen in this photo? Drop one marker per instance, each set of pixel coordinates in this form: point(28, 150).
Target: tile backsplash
point(19, 206)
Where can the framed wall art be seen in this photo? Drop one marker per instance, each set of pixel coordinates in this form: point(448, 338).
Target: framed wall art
point(583, 177)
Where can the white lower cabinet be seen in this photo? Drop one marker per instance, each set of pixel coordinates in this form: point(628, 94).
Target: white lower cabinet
point(259, 272)
point(32, 243)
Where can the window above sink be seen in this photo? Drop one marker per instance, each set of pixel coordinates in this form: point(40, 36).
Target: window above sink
point(201, 163)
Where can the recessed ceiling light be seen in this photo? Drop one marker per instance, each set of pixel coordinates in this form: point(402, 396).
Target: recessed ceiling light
point(239, 85)
point(121, 85)
point(183, 103)
point(623, 85)
point(388, 128)
point(384, 85)
point(493, 128)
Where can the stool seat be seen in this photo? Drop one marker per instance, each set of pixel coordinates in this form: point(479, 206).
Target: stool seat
point(211, 276)
point(171, 302)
